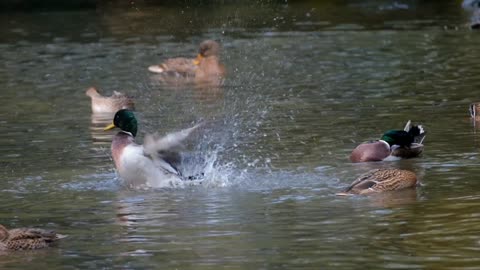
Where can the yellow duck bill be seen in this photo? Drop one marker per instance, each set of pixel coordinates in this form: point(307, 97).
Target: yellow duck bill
point(111, 126)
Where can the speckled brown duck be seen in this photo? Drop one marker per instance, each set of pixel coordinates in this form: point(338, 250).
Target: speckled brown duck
point(381, 180)
point(206, 66)
point(27, 238)
point(111, 104)
point(393, 144)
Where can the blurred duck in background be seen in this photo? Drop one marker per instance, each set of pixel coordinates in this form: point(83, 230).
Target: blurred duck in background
point(206, 67)
point(111, 104)
point(103, 110)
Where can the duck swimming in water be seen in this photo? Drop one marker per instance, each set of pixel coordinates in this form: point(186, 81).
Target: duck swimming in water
point(153, 164)
point(27, 238)
point(381, 180)
point(405, 143)
point(205, 67)
point(103, 104)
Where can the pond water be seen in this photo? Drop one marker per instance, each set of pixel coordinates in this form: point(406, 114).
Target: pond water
point(306, 83)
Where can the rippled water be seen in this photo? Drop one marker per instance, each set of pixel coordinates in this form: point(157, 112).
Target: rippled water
point(306, 83)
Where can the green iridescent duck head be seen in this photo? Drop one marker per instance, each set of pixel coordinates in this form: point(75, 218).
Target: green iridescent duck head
point(402, 137)
point(125, 120)
point(398, 137)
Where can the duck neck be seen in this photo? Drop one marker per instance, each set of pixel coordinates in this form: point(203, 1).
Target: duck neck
point(386, 143)
point(210, 66)
point(121, 140)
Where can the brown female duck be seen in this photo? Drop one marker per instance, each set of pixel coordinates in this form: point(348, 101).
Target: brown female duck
point(27, 238)
point(111, 104)
point(206, 66)
point(381, 180)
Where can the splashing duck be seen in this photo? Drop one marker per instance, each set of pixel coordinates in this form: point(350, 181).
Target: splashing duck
point(206, 66)
point(393, 144)
point(153, 164)
point(27, 238)
point(381, 180)
point(473, 7)
point(104, 104)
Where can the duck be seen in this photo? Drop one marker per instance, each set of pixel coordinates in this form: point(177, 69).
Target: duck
point(470, 4)
point(103, 104)
point(27, 238)
point(475, 20)
point(155, 164)
point(381, 180)
point(473, 7)
point(475, 110)
point(394, 144)
point(205, 67)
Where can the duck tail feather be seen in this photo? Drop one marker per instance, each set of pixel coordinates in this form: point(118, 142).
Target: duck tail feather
point(418, 132)
point(408, 126)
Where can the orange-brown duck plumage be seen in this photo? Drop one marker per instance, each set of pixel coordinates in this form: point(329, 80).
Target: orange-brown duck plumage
point(206, 67)
point(381, 180)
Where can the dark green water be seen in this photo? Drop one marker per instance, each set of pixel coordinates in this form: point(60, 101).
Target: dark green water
point(306, 83)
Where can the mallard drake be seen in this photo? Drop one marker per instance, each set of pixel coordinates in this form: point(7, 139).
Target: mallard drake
point(153, 164)
point(26, 238)
point(206, 66)
point(405, 143)
point(111, 104)
point(381, 180)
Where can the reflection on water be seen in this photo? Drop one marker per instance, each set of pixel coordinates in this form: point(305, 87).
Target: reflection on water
point(99, 122)
point(307, 82)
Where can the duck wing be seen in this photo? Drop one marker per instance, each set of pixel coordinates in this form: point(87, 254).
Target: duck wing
point(180, 65)
point(31, 233)
point(170, 142)
point(364, 181)
point(165, 150)
point(30, 238)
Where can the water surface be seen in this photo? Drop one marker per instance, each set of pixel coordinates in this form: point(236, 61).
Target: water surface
point(306, 83)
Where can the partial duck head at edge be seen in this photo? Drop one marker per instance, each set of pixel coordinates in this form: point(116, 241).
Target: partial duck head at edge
point(474, 109)
point(125, 120)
